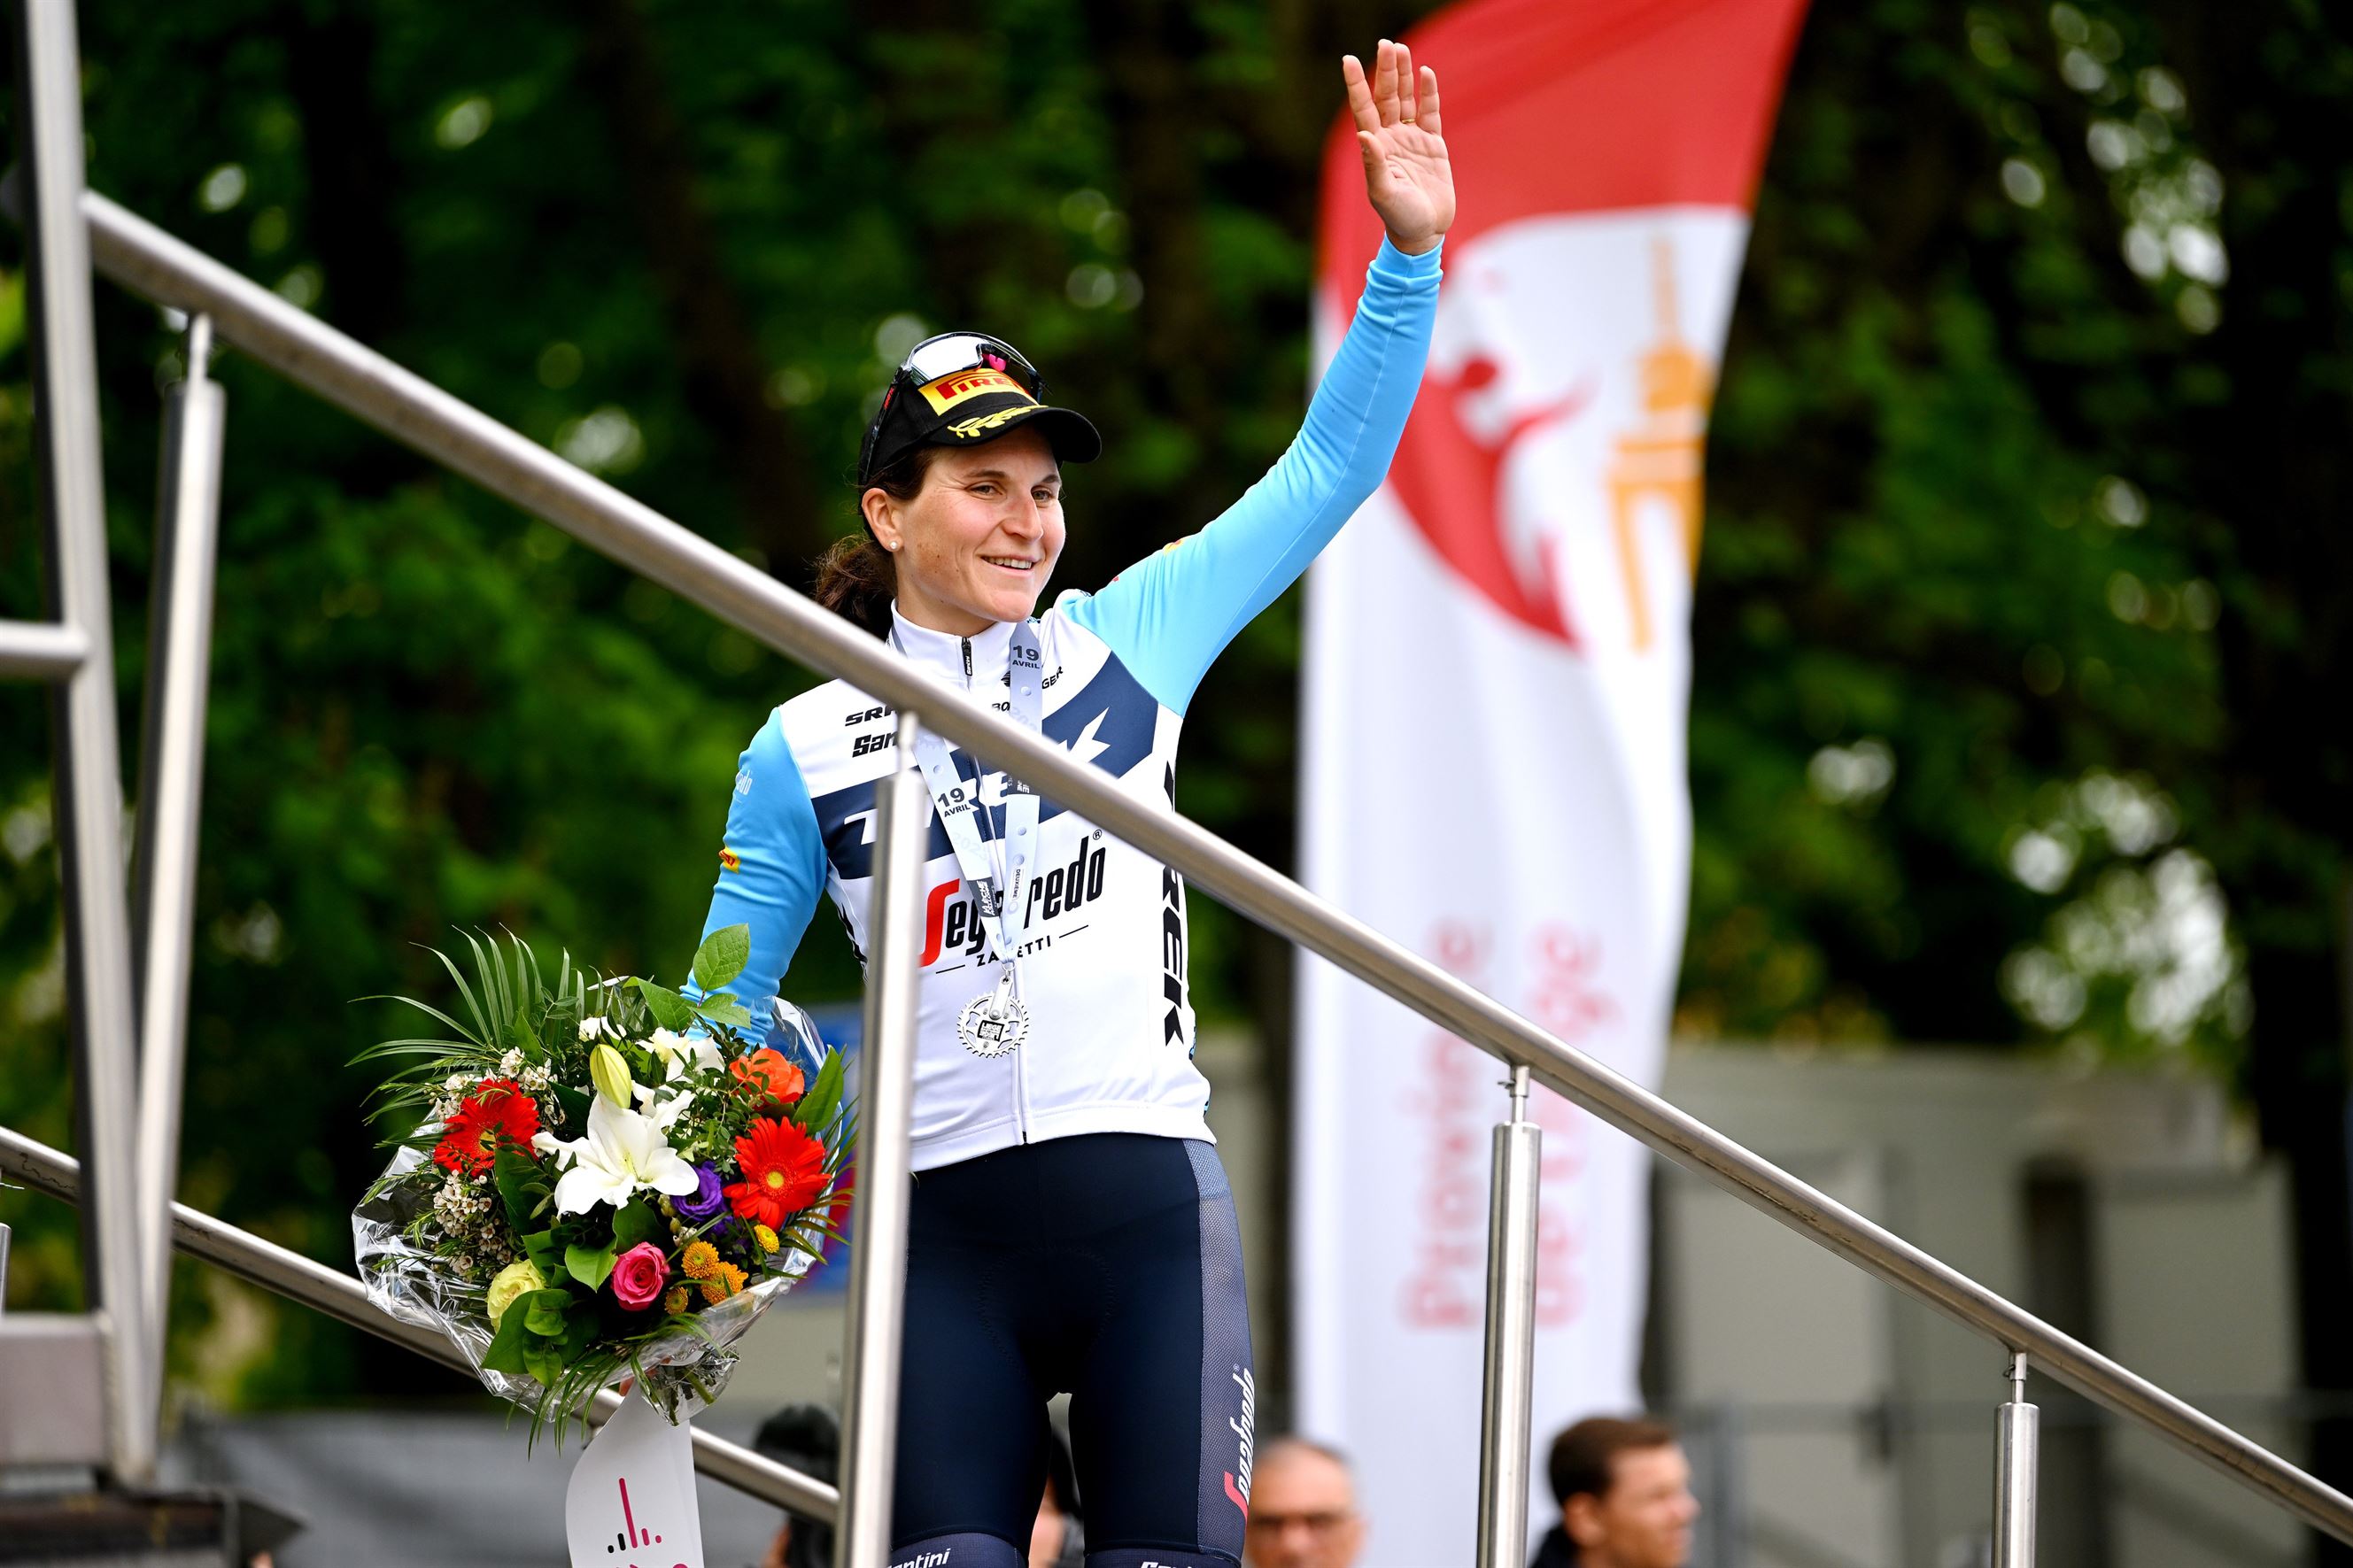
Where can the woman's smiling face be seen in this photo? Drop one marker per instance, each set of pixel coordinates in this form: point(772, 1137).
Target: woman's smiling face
point(976, 543)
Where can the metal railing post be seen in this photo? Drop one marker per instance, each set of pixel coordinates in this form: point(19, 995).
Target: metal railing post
point(89, 792)
point(171, 793)
point(878, 1250)
point(2014, 1474)
point(1506, 1404)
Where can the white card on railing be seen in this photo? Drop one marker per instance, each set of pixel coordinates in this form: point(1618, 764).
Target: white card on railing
point(631, 1502)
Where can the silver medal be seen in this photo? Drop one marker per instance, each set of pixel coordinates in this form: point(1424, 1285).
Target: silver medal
point(996, 1023)
point(993, 1025)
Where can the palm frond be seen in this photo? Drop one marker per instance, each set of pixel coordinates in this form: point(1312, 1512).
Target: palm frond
point(490, 973)
point(482, 1033)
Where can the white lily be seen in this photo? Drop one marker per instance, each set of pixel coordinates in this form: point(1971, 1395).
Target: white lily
point(622, 1153)
point(678, 1054)
point(661, 1108)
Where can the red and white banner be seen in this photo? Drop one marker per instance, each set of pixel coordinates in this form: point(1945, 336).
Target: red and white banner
point(1498, 674)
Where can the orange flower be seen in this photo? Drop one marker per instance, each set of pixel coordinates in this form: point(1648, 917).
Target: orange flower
point(775, 1078)
point(784, 1170)
point(698, 1260)
point(724, 1282)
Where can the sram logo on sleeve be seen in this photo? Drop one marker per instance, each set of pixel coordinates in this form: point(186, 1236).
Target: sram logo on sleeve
point(950, 390)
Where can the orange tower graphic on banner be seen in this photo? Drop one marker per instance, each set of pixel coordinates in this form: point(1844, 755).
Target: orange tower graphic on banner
point(1659, 459)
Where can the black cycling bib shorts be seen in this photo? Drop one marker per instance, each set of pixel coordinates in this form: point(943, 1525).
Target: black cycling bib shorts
point(1106, 1265)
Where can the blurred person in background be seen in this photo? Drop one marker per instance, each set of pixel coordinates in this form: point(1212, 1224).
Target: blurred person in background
point(1303, 1508)
point(1624, 1492)
point(1073, 1229)
point(807, 1438)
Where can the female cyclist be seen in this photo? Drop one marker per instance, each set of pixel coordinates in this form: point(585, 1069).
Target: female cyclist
point(1071, 1228)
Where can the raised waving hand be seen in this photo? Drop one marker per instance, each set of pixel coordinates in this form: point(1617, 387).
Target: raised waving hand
point(1407, 177)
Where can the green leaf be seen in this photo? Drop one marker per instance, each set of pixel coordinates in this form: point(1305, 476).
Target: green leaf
point(544, 1310)
point(522, 1184)
point(817, 1106)
point(574, 1103)
point(721, 956)
point(506, 1351)
point(724, 1009)
point(639, 1222)
point(540, 1247)
point(578, 1331)
point(522, 1036)
point(591, 1266)
point(545, 1364)
point(670, 1010)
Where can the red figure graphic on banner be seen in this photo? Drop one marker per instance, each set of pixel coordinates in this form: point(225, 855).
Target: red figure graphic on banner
point(1451, 479)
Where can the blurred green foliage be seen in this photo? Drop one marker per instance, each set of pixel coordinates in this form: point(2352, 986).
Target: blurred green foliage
point(2021, 604)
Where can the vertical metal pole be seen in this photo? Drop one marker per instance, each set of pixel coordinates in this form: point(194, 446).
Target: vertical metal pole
point(878, 1257)
point(4, 1268)
point(1506, 1408)
point(2014, 1474)
point(171, 793)
point(89, 796)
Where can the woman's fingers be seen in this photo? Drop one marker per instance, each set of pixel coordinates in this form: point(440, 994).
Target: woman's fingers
point(1360, 94)
point(1396, 93)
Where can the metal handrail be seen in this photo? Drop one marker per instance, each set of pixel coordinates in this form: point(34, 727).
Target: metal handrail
point(345, 1300)
point(150, 262)
point(38, 651)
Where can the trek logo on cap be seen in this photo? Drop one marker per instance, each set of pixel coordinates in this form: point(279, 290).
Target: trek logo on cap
point(966, 384)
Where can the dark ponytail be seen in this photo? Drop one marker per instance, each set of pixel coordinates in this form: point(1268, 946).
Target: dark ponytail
point(857, 579)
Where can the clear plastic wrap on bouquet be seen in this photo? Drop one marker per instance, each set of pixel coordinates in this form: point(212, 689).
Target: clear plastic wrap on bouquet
point(683, 1370)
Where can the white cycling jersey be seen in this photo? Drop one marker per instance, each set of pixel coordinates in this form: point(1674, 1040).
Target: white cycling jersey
point(1103, 928)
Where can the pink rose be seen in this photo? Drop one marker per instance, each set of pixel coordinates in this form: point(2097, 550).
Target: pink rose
point(639, 1276)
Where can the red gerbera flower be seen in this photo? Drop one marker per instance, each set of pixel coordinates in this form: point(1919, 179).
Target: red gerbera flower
point(784, 1170)
point(497, 1110)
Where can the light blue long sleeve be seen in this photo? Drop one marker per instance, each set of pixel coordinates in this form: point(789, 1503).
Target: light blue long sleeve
point(771, 869)
point(1170, 615)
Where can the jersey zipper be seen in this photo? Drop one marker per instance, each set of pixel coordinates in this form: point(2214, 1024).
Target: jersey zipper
point(1020, 1080)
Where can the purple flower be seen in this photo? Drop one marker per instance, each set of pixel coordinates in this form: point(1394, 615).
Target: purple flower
point(708, 1200)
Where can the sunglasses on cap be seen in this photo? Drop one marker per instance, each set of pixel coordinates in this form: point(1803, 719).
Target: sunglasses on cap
point(943, 355)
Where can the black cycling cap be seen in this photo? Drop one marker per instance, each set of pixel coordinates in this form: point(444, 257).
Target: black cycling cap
point(959, 389)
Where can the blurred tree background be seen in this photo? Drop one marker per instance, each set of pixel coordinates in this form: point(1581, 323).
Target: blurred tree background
point(2023, 589)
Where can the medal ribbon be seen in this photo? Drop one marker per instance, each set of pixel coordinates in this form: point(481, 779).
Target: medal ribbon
point(958, 802)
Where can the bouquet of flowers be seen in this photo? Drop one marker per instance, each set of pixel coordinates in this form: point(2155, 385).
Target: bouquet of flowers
point(606, 1177)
